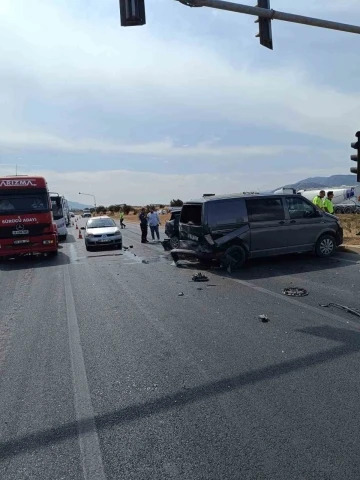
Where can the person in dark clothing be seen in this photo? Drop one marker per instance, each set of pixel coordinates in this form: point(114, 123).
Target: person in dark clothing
point(143, 226)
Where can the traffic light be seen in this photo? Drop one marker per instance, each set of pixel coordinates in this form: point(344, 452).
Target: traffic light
point(132, 12)
point(265, 31)
point(356, 158)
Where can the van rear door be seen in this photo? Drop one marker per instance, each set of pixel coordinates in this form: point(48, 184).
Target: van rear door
point(191, 217)
point(225, 216)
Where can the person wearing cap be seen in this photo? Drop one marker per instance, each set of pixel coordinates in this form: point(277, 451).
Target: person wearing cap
point(328, 204)
point(319, 199)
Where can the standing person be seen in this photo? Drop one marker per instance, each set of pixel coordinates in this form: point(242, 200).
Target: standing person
point(122, 224)
point(328, 204)
point(143, 226)
point(319, 200)
point(154, 222)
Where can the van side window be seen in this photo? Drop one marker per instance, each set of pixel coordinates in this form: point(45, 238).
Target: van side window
point(265, 209)
point(226, 212)
point(300, 208)
point(191, 214)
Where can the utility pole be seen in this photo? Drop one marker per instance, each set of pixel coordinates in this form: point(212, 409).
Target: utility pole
point(132, 13)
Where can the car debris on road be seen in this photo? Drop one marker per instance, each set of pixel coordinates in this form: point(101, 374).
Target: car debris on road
point(295, 292)
point(200, 277)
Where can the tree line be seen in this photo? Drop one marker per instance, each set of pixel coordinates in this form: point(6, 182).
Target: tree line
point(127, 209)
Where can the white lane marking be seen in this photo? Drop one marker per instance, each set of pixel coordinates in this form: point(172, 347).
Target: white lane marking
point(91, 458)
point(73, 253)
point(305, 306)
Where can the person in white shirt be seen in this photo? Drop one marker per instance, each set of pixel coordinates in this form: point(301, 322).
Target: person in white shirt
point(154, 222)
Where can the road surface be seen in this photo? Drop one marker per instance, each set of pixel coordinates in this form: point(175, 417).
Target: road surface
point(107, 373)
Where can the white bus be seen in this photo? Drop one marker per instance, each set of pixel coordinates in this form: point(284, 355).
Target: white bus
point(59, 214)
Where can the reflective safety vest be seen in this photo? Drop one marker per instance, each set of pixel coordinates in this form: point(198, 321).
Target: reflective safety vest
point(329, 205)
point(319, 202)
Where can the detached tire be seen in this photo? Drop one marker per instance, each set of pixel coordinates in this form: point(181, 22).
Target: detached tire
point(234, 257)
point(325, 246)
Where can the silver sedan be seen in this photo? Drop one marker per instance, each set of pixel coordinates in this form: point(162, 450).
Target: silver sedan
point(102, 232)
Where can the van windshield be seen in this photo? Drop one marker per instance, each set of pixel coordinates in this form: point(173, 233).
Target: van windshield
point(191, 214)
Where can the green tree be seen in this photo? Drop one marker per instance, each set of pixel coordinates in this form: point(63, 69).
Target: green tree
point(127, 209)
point(101, 209)
point(150, 207)
point(176, 203)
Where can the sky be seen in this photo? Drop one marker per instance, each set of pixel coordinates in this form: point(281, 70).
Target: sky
point(188, 104)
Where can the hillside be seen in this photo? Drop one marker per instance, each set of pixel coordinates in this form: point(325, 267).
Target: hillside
point(325, 182)
point(78, 206)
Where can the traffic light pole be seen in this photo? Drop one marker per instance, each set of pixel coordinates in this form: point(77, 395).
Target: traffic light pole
point(272, 14)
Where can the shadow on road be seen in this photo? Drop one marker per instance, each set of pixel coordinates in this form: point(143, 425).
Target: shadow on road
point(274, 266)
point(69, 239)
point(349, 343)
point(34, 261)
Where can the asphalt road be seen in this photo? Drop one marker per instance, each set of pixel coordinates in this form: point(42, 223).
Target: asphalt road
point(107, 373)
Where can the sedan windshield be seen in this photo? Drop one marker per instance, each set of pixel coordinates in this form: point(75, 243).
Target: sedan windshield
point(100, 223)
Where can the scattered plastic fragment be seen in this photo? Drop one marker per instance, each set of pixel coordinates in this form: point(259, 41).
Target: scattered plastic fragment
point(353, 311)
point(295, 292)
point(200, 277)
point(264, 318)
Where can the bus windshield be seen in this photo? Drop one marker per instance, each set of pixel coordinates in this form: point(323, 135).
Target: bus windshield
point(17, 203)
point(57, 208)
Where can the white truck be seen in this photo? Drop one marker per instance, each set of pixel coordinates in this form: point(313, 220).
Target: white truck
point(346, 199)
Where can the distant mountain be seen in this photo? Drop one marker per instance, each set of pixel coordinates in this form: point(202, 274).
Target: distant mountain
point(325, 182)
point(78, 206)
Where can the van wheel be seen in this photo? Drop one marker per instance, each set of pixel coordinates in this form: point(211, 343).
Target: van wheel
point(234, 257)
point(325, 246)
